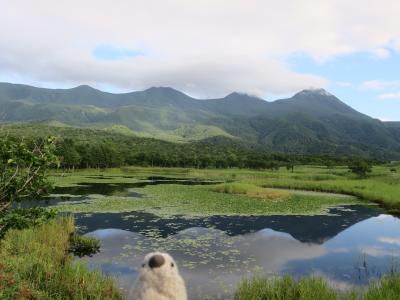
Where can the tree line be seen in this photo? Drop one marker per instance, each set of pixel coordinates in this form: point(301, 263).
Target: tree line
point(156, 153)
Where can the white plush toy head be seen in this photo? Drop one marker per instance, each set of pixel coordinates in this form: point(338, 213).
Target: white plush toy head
point(159, 263)
point(159, 279)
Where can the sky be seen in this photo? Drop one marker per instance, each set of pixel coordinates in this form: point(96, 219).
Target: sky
point(209, 48)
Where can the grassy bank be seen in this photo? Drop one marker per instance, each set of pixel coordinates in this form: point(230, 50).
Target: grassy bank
point(35, 264)
point(286, 288)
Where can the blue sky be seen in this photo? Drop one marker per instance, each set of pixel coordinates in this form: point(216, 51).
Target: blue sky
point(209, 48)
point(110, 52)
point(361, 80)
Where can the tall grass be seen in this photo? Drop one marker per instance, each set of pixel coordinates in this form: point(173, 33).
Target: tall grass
point(312, 288)
point(250, 190)
point(388, 288)
point(38, 266)
point(260, 288)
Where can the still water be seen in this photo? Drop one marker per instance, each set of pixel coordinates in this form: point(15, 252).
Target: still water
point(350, 246)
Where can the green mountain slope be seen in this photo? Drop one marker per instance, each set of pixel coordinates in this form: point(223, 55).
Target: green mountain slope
point(312, 121)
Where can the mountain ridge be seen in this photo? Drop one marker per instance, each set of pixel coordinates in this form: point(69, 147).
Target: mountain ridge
point(312, 121)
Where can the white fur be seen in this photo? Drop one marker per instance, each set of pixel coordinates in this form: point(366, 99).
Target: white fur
point(163, 283)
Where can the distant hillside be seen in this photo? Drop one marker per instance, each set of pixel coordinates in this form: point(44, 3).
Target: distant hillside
point(310, 122)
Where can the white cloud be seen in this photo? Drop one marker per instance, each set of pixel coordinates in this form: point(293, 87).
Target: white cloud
point(211, 47)
point(390, 96)
point(377, 251)
point(341, 83)
point(380, 84)
point(385, 119)
point(381, 53)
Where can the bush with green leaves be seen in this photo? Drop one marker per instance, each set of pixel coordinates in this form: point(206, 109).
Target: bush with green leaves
point(84, 246)
point(23, 218)
point(23, 169)
point(360, 167)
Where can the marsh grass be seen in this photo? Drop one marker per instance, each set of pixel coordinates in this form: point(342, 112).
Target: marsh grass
point(251, 190)
point(381, 186)
point(314, 288)
point(286, 288)
point(38, 266)
point(388, 288)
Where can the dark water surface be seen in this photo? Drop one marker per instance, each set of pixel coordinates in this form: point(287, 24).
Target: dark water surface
point(350, 246)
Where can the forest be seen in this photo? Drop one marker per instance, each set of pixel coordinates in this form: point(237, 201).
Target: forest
point(95, 148)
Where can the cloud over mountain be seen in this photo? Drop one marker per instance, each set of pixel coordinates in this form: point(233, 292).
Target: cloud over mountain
point(214, 46)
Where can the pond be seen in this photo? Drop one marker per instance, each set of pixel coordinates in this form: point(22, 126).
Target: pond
point(350, 245)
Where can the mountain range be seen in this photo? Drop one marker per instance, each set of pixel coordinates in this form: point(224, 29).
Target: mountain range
point(313, 121)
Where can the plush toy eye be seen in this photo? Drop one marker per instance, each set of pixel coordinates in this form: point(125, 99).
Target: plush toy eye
point(143, 265)
point(172, 264)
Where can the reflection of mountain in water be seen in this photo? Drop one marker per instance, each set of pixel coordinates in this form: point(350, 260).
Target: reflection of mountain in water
point(308, 229)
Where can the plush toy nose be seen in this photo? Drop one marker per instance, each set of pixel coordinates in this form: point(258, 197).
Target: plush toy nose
point(156, 261)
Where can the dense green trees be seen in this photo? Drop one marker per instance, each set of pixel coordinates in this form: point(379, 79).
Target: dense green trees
point(84, 147)
point(120, 151)
point(22, 168)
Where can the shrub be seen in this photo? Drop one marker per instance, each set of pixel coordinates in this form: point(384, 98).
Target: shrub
point(23, 218)
point(360, 168)
point(84, 246)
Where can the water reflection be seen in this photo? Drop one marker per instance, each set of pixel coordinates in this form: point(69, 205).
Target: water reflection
point(213, 258)
point(312, 229)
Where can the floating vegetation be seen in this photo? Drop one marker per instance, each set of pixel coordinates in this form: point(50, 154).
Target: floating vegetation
point(197, 200)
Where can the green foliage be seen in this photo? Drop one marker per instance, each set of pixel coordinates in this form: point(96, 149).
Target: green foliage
point(360, 167)
point(23, 218)
point(37, 265)
point(23, 167)
point(84, 246)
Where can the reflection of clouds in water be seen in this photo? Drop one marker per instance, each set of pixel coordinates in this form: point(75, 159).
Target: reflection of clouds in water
point(211, 262)
point(377, 251)
point(339, 250)
point(390, 240)
point(272, 250)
